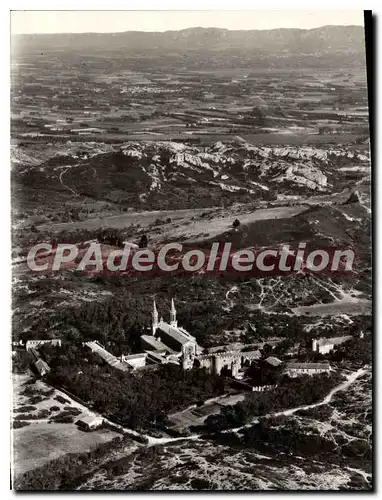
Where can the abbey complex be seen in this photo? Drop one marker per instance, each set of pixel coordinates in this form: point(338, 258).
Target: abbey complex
point(170, 343)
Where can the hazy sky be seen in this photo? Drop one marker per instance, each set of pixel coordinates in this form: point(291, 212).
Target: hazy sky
point(114, 21)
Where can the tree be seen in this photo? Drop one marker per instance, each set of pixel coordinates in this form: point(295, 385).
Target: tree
point(143, 241)
point(236, 223)
point(21, 361)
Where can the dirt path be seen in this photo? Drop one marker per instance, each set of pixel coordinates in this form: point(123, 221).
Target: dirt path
point(343, 386)
point(65, 186)
point(351, 378)
point(152, 441)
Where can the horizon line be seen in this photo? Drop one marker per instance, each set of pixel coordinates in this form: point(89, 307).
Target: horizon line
point(186, 29)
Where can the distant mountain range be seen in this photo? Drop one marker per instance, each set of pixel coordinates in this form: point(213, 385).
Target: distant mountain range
point(326, 39)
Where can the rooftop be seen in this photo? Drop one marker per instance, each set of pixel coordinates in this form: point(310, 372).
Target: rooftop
point(90, 419)
point(179, 334)
point(334, 340)
point(251, 354)
point(155, 357)
point(308, 366)
point(135, 356)
point(272, 360)
point(42, 365)
point(155, 343)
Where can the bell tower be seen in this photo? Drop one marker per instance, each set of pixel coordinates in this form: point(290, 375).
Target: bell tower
point(173, 321)
point(154, 315)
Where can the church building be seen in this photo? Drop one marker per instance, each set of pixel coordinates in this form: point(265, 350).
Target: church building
point(169, 338)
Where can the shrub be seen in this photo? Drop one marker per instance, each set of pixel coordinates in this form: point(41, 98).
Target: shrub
point(72, 410)
point(36, 399)
point(17, 424)
point(33, 416)
point(26, 416)
point(22, 409)
point(43, 414)
point(61, 399)
point(322, 413)
point(30, 390)
point(356, 481)
point(356, 448)
point(68, 471)
point(67, 419)
point(21, 361)
point(64, 417)
point(54, 408)
point(118, 467)
point(200, 484)
point(182, 479)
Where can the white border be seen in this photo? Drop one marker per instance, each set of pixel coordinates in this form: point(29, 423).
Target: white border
point(188, 5)
point(4, 170)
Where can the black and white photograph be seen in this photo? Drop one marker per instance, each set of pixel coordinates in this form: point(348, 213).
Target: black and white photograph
point(191, 226)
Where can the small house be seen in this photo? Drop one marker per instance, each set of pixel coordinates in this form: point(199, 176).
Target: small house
point(42, 367)
point(90, 423)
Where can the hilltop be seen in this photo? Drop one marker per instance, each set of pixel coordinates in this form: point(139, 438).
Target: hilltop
point(169, 175)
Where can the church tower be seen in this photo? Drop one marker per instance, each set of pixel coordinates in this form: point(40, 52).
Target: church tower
point(173, 321)
point(154, 318)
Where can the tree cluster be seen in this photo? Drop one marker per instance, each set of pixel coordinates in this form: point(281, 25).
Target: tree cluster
point(290, 393)
point(138, 400)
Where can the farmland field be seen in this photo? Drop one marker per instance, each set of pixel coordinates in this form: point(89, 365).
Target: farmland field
point(38, 443)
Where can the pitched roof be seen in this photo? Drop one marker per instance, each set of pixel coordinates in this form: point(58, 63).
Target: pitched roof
point(90, 419)
point(154, 343)
point(251, 354)
point(179, 334)
point(135, 356)
point(333, 340)
point(186, 333)
point(41, 365)
point(155, 357)
point(272, 360)
point(308, 366)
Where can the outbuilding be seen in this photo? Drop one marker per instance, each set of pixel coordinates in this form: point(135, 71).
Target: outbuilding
point(90, 423)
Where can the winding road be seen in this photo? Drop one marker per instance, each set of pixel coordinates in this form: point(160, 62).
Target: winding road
point(63, 184)
point(350, 379)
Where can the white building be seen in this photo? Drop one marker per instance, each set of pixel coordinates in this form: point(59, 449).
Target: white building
point(169, 343)
point(90, 423)
point(174, 338)
point(325, 345)
point(35, 344)
point(296, 369)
